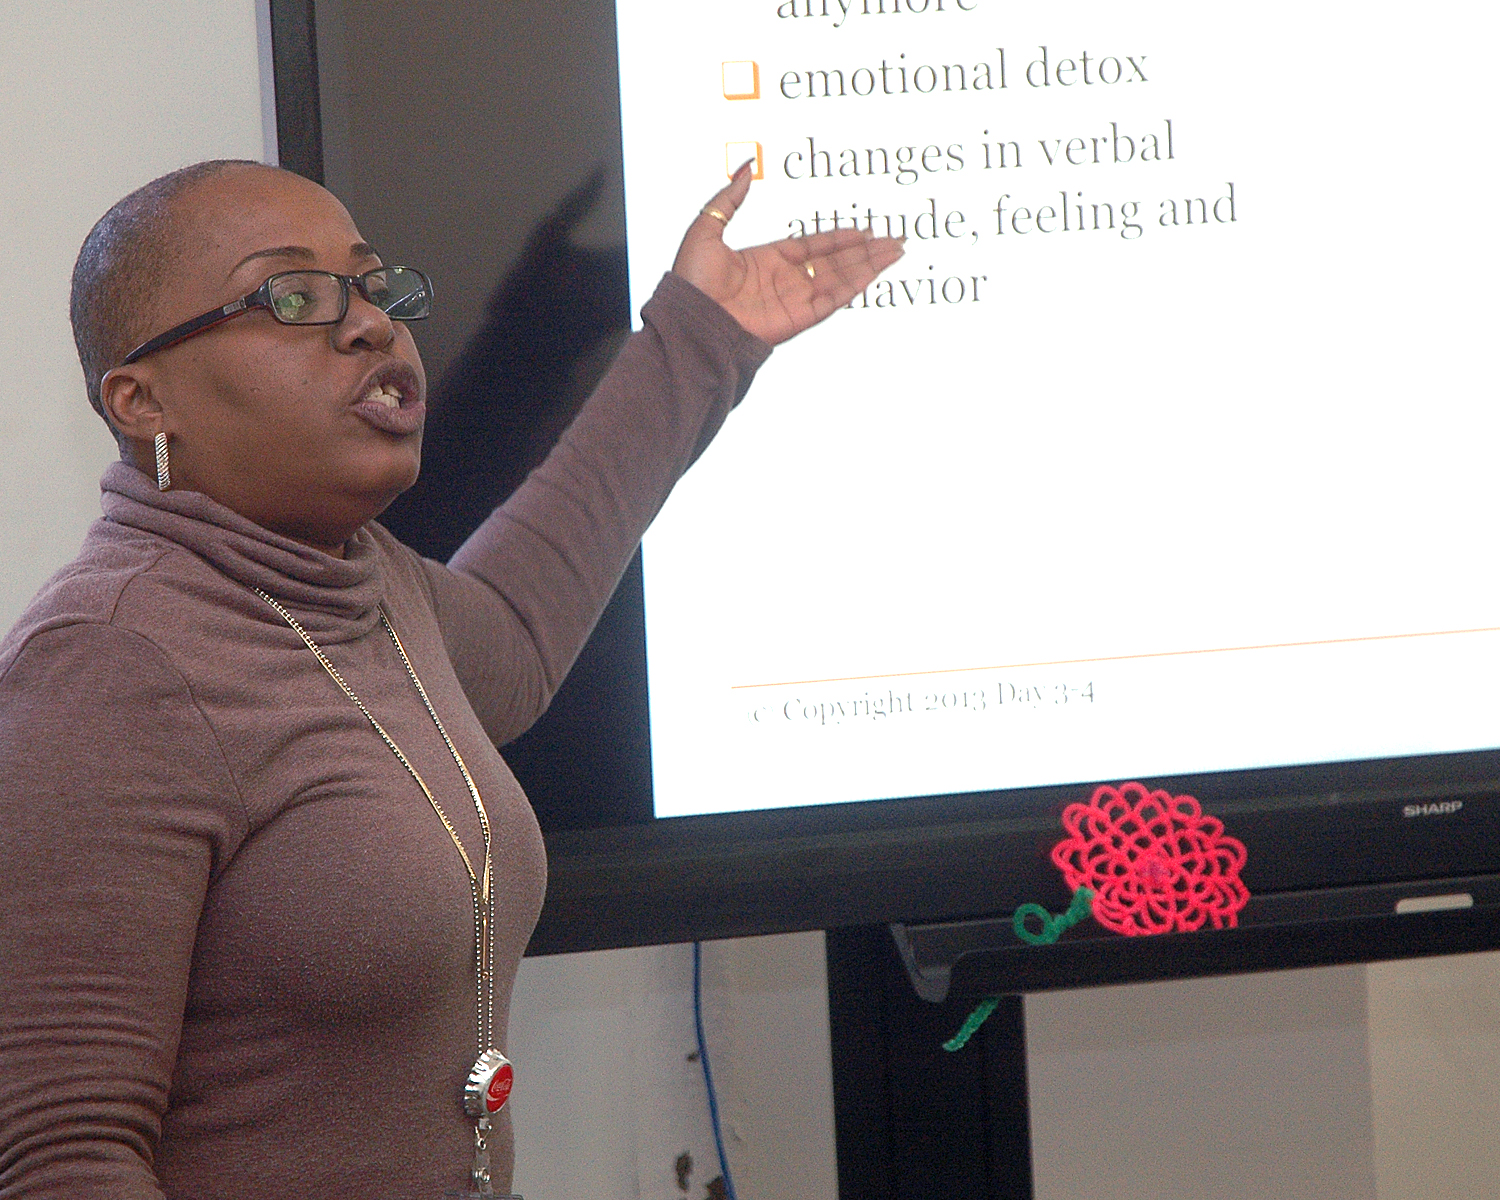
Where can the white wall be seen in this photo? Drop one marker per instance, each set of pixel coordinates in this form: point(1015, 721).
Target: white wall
point(1435, 1077)
point(607, 1096)
point(96, 98)
point(1204, 1089)
point(1342, 1082)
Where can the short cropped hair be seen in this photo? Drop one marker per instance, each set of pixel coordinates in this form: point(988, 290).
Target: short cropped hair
point(121, 267)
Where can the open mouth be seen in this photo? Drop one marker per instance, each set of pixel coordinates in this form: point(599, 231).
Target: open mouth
point(390, 401)
point(387, 395)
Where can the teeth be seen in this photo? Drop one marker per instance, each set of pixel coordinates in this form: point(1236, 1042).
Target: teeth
point(385, 395)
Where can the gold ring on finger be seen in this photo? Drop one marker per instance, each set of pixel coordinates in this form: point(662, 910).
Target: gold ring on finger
point(708, 210)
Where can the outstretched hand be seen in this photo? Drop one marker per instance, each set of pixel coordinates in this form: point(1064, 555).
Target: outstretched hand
point(777, 290)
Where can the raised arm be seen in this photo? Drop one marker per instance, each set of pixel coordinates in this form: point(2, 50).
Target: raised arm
point(520, 597)
point(522, 594)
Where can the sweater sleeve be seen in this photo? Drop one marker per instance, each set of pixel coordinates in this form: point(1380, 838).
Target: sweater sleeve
point(114, 808)
point(519, 599)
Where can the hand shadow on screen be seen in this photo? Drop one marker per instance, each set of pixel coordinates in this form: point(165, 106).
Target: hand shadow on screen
point(550, 329)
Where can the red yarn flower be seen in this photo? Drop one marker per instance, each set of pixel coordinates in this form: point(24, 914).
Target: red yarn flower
point(1156, 864)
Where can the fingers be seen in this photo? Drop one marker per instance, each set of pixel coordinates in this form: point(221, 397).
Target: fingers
point(728, 199)
point(849, 270)
point(778, 289)
point(701, 258)
point(842, 267)
point(814, 245)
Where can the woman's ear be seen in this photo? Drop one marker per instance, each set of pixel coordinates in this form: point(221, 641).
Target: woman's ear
point(126, 397)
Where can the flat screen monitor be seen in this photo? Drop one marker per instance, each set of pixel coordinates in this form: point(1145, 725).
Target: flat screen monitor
point(1164, 454)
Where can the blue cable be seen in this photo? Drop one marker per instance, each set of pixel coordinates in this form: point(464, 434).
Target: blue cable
point(708, 1075)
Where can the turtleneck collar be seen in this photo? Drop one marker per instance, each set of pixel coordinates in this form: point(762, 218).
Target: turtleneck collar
point(334, 597)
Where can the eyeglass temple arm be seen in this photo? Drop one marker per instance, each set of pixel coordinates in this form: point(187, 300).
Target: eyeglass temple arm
point(186, 330)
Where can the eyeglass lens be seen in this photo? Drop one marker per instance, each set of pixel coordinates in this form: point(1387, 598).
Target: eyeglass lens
point(398, 291)
point(318, 297)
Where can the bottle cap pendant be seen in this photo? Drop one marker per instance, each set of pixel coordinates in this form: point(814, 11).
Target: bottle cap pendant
point(489, 1084)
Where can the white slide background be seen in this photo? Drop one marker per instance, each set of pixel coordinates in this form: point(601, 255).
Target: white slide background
point(1162, 499)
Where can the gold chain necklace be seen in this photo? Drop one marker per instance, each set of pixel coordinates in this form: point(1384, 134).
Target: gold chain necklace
point(490, 1080)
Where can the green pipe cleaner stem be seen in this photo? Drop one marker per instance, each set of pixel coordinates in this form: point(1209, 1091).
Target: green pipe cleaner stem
point(970, 1027)
point(1052, 927)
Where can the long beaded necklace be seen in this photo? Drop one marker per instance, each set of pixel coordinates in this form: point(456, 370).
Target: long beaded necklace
point(490, 1080)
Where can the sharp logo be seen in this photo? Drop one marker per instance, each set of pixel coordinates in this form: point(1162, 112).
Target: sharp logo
point(1441, 808)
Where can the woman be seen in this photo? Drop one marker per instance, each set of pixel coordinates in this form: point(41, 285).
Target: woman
point(264, 881)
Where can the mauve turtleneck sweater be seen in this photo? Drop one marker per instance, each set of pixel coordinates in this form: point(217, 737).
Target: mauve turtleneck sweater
point(236, 943)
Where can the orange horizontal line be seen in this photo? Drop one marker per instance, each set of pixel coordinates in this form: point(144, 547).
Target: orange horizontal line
point(1073, 662)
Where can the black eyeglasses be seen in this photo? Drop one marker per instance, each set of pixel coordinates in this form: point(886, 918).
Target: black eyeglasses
point(312, 298)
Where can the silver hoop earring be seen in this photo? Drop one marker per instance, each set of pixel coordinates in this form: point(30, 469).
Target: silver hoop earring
point(163, 467)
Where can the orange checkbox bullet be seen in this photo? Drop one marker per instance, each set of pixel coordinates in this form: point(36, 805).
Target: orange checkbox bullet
point(736, 153)
point(741, 80)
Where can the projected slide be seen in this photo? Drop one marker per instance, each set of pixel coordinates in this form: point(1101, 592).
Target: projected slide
point(1168, 447)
